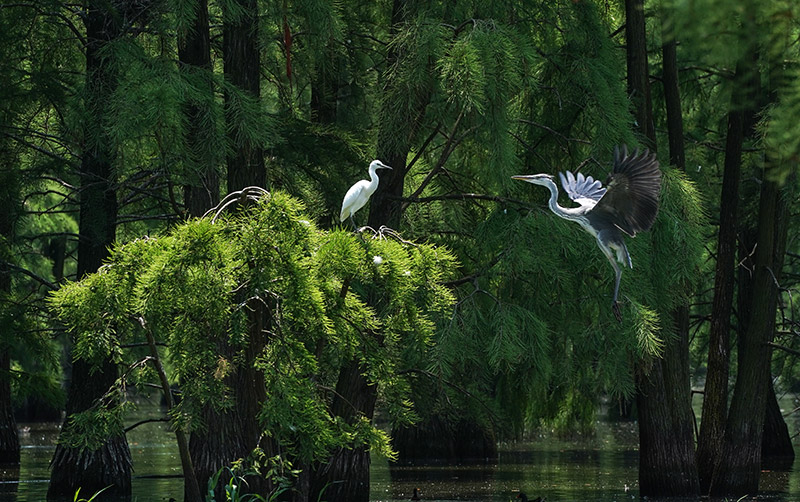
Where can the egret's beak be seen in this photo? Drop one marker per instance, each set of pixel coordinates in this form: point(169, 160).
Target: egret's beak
point(385, 166)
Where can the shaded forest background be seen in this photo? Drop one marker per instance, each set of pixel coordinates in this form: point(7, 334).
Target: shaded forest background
point(475, 314)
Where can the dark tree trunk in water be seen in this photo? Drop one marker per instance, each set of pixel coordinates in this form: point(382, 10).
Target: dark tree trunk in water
point(91, 471)
point(348, 469)
point(345, 477)
point(228, 436)
point(666, 447)
point(739, 467)
point(110, 465)
point(202, 191)
point(9, 440)
point(241, 67)
point(715, 397)
point(232, 435)
point(776, 448)
point(436, 438)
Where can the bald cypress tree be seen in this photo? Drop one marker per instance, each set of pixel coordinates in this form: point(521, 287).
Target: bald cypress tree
point(194, 52)
point(75, 467)
point(245, 164)
point(666, 450)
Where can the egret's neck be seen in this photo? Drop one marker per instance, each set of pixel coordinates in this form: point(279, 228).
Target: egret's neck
point(373, 175)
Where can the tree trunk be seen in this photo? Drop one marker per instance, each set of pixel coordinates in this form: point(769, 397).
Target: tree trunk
point(231, 435)
point(91, 470)
point(715, 397)
point(345, 477)
point(324, 93)
point(202, 190)
point(739, 467)
point(672, 99)
point(9, 440)
point(638, 76)
point(776, 448)
point(241, 67)
point(394, 144)
point(666, 448)
point(110, 465)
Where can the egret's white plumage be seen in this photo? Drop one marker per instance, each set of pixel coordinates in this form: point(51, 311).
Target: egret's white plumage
point(359, 193)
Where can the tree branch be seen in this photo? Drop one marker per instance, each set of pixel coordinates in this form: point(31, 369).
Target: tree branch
point(788, 350)
point(142, 422)
point(448, 149)
point(41, 280)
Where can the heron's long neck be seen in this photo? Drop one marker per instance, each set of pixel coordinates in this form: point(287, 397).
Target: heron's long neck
point(553, 202)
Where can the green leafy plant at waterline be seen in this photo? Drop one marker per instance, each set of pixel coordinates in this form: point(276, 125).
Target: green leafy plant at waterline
point(90, 499)
point(237, 480)
point(234, 486)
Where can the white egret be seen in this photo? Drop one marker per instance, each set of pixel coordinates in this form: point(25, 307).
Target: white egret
point(629, 204)
point(359, 194)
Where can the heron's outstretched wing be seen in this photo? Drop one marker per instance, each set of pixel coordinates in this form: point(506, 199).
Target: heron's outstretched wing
point(632, 192)
point(584, 190)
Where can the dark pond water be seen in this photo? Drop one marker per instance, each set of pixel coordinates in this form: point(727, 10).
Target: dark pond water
point(600, 468)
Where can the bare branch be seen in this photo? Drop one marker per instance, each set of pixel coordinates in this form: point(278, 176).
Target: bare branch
point(142, 422)
point(41, 280)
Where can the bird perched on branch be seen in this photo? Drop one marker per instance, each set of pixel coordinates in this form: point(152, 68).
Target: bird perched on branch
point(358, 194)
point(628, 204)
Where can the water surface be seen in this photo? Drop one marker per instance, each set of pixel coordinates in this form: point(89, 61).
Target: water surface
point(601, 468)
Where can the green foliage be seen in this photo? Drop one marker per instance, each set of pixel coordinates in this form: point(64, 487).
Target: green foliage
point(500, 88)
point(328, 298)
point(77, 498)
point(89, 429)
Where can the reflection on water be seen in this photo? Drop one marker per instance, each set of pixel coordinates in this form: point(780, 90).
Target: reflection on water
point(152, 448)
point(601, 468)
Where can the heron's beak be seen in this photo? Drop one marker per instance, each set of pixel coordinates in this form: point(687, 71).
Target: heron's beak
point(385, 166)
point(531, 178)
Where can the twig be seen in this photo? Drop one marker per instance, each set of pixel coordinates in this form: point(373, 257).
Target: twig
point(32, 275)
point(448, 149)
point(784, 348)
point(142, 422)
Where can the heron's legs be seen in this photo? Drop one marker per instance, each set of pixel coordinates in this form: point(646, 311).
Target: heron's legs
point(601, 242)
point(614, 304)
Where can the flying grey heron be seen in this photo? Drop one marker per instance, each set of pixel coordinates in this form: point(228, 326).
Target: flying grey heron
point(628, 204)
point(358, 194)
